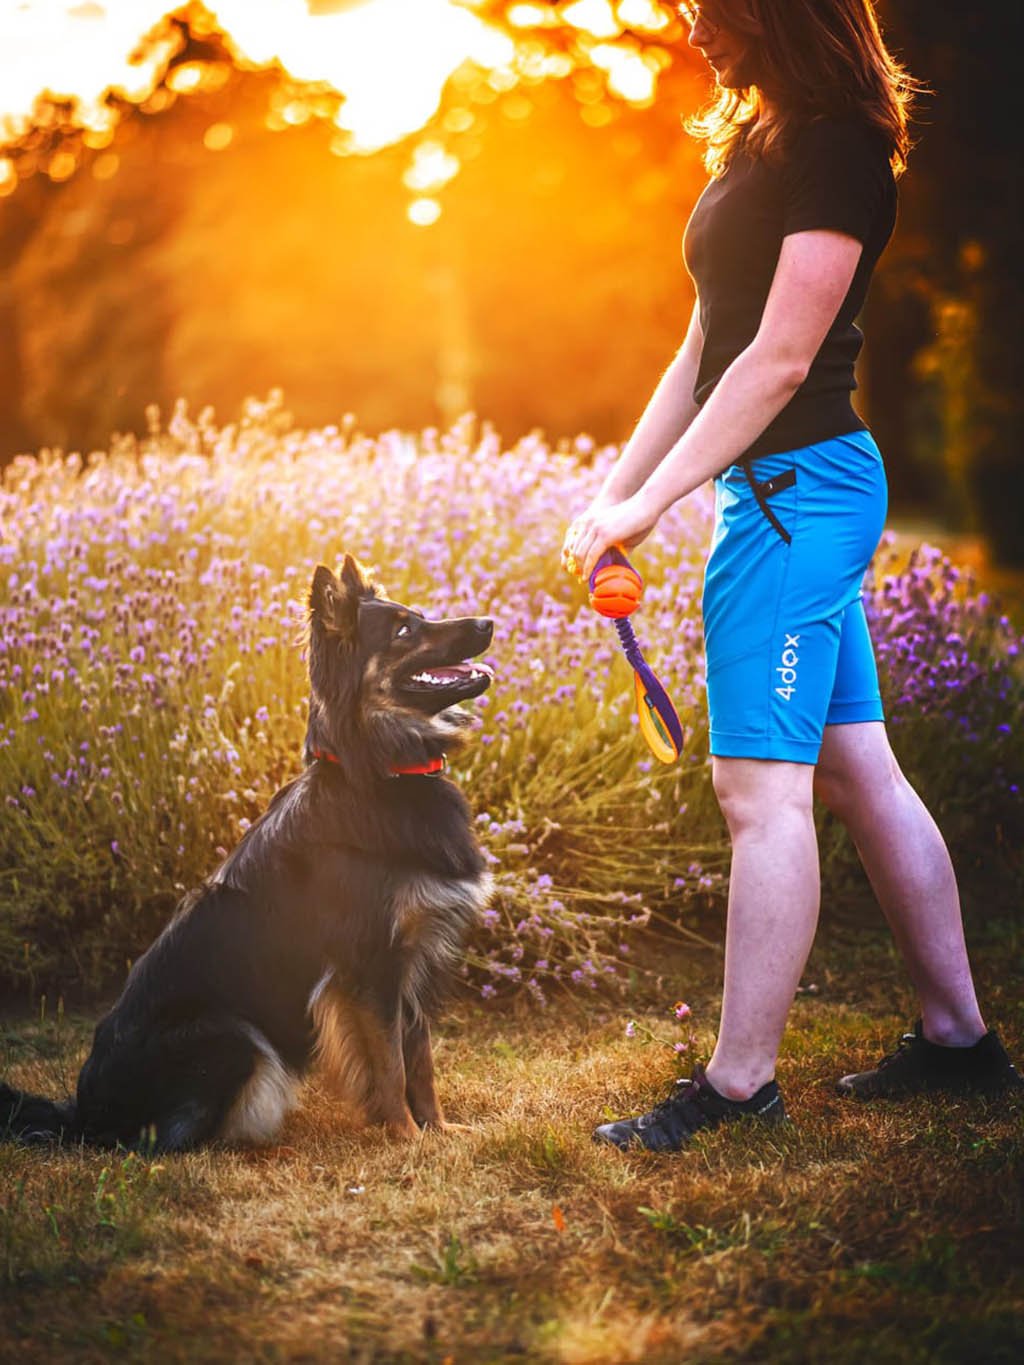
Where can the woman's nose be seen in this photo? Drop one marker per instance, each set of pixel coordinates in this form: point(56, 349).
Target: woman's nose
point(701, 32)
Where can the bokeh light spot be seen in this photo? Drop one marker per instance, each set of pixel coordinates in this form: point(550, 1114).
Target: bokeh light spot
point(432, 167)
point(596, 115)
point(424, 212)
point(458, 120)
point(185, 79)
point(517, 108)
point(218, 136)
point(105, 167)
point(630, 76)
point(532, 16)
point(593, 16)
point(62, 166)
point(645, 15)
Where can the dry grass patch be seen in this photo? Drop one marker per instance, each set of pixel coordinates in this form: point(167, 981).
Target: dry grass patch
point(889, 1231)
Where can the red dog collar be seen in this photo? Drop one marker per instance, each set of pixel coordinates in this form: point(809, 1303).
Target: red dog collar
point(436, 765)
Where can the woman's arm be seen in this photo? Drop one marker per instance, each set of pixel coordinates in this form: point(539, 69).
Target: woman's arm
point(811, 280)
point(666, 417)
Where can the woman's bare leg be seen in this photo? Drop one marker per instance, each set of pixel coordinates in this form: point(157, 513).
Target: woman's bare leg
point(909, 867)
point(773, 913)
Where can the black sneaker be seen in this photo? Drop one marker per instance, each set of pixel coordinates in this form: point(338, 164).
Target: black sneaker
point(918, 1065)
point(692, 1105)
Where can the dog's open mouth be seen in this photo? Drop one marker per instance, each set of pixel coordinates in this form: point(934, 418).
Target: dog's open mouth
point(457, 682)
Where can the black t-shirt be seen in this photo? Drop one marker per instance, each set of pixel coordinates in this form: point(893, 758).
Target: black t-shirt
point(835, 174)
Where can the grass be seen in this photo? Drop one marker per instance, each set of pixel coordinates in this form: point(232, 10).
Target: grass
point(889, 1232)
point(151, 698)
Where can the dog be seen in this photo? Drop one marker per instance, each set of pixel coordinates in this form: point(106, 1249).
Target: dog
point(332, 931)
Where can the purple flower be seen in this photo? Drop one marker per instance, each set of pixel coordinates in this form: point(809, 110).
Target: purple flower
point(120, 596)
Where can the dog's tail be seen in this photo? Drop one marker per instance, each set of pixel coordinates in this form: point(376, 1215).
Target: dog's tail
point(30, 1118)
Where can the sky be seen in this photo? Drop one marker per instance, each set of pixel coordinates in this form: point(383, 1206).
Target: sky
point(390, 58)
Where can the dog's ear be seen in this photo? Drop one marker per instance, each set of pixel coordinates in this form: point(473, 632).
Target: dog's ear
point(353, 579)
point(356, 577)
point(332, 602)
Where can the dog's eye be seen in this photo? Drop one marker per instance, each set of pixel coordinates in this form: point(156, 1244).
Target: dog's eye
point(403, 629)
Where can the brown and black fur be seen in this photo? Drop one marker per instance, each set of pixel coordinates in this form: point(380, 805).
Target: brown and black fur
point(329, 934)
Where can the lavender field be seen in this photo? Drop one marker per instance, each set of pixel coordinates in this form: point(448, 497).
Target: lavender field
point(152, 691)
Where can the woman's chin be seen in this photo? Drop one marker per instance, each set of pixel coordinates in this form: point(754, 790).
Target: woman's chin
point(738, 74)
point(729, 77)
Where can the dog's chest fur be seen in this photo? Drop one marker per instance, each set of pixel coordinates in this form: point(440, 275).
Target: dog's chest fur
point(431, 919)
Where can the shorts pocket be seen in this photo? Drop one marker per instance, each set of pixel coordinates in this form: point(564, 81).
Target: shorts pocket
point(778, 483)
point(765, 489)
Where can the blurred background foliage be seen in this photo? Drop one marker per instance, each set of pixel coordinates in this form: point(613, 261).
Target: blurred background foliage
point(517, 255)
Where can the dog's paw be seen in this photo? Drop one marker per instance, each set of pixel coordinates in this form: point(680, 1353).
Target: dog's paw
point(403, 1131)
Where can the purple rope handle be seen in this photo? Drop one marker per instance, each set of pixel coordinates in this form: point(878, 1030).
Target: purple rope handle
point(657, 697)
point(629, 642)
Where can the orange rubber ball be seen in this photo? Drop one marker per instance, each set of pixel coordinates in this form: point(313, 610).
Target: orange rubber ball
point(616, 591)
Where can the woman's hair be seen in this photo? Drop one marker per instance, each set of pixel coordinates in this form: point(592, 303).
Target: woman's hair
point(812, 58)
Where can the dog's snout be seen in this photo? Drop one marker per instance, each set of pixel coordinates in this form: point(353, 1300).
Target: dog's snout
point(470, 635)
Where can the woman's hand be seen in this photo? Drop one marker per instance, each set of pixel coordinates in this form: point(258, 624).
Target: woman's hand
point(603, 524)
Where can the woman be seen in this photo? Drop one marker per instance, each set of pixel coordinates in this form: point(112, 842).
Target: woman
point(804, 141)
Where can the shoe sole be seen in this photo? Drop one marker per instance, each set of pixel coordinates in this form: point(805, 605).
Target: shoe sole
point(636, 1144)
point(1007, 1087)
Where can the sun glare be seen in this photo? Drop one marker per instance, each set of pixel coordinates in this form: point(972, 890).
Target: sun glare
point(72, 50)
point(389, 58)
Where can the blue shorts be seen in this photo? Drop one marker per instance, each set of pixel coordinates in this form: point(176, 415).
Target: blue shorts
point(788, 649)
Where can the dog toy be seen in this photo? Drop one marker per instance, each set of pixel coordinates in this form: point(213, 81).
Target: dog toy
point(615, 590)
